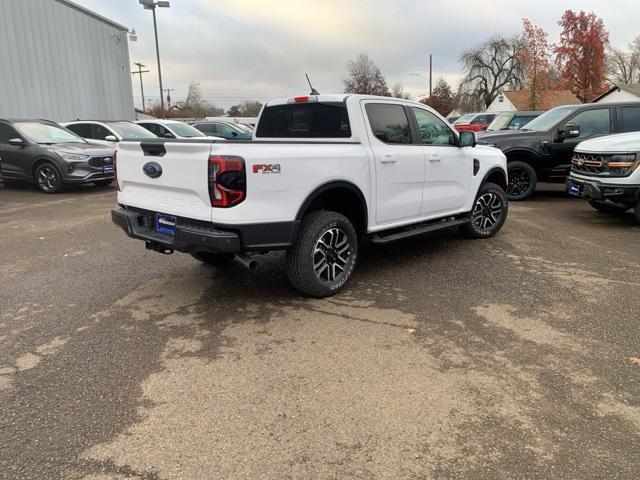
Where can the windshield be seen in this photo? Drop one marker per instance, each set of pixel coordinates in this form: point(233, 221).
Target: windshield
point(500, 122)
point(549, 119)
point(131, 130)
point(465, 118)
point(46, 133)
point(184, 130)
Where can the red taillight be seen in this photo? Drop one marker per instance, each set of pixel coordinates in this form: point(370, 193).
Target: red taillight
point(227, 180)
point(303, 99)
point(115, 170)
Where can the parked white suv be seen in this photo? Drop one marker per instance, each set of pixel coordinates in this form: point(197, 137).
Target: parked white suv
point(606, 171)
point(323, 173)
point(173, 129)
point(108, 132)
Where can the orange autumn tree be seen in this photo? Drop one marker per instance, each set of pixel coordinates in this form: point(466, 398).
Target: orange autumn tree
point(580, 55)
point(535, 55)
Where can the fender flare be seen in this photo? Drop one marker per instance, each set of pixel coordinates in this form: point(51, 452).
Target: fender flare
point(495, 170)
point(328, 186)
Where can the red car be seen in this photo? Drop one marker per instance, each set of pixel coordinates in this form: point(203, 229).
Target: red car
point(474, 122)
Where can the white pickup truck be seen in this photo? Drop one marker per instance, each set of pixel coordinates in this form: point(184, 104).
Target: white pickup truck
point(322, 174)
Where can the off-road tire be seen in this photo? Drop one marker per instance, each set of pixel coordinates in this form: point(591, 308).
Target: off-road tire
point(489, 212)
point(48, 178)
point(214, 259)
point(607, 207)
point(311, 253)
point(522, 181)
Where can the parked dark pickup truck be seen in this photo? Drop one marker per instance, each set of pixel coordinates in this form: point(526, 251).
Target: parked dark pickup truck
point(542, 150)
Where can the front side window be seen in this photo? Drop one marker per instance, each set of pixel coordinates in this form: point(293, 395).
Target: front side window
point(630, 119)
point(45, 133)
point(593, 122)
point(207, 128)
point(99, 132)
point(432, 130)
point(389, 123)
point(7, 132)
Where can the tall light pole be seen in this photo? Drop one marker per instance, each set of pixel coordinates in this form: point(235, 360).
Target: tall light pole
point(140, 72)
point(151, 5)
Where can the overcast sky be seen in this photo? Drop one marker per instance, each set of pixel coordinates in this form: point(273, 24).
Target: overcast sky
point(245, 49)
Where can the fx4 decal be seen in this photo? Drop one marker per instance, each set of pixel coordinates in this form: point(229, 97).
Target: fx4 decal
point(266, 168)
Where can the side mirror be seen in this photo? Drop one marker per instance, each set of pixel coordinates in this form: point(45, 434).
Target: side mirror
point(235, 134)
point(168, 135)
point(467, 139)
point(111, 138)
point(570, 130)
point(18, 142)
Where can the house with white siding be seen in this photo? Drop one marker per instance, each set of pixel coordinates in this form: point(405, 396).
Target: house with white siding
point(620, 92)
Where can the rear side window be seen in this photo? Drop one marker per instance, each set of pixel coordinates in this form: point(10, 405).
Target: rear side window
point(305, 120)
point(631, 119)
point(389, 123)
point(82, 129)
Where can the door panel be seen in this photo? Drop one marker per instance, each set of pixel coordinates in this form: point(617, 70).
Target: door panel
point(14, 157)
point(448, 168)
point(399, 163)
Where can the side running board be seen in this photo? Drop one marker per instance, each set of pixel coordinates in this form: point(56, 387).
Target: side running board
point(395, 234)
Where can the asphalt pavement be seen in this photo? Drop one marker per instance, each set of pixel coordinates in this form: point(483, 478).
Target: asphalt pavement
point(444, 358)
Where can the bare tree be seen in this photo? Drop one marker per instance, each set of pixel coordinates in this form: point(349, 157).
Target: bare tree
point(493, 66)
point(397, 91)
point(365, 77)
point(623, 67)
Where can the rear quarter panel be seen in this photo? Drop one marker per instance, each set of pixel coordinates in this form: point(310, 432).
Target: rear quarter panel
point(275, 194)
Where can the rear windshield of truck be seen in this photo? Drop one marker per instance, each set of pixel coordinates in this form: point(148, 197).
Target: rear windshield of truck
point(305, 120)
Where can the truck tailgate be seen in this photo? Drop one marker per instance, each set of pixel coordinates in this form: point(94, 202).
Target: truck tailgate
point(181, 189)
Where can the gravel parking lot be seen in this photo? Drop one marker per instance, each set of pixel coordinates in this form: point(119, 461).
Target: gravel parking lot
point(514, 357)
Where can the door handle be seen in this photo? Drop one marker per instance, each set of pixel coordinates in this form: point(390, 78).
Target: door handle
point(388, 159)
point(435, 158)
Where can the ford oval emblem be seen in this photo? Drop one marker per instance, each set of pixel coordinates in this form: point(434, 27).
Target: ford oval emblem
point(152, 169)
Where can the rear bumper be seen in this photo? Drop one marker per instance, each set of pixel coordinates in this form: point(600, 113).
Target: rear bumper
point(198, 236)
point(596, 190)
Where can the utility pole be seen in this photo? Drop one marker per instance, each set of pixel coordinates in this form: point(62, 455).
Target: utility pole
point(151, 5)
point(168, 90)
point(140, 72)
point(430, 74)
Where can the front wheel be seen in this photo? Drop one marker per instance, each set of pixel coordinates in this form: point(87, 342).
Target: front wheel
point(48, 178)
point(607, 207)
point(489, 212)
point(324, 255)
point(522, 180)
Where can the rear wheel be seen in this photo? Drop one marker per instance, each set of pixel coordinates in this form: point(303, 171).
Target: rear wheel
point(607, 207)
point(522, 180)
point(324, 255)
point(489, 212)
point(214, 259)
point(48, 178)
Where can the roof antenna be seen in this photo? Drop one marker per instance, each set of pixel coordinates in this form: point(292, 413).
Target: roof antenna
point(313, 90)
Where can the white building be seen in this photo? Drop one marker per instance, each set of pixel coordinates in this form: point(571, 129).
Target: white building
point(509, 101)
point(621, 92)
point(60, 61)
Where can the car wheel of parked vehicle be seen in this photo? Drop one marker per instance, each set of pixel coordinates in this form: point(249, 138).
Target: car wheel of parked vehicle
point(607, 207)
point(215, 259)
point(522, 180)
point(48, 178)
point(324, 255)
point(102, 183)
point(489, 212)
